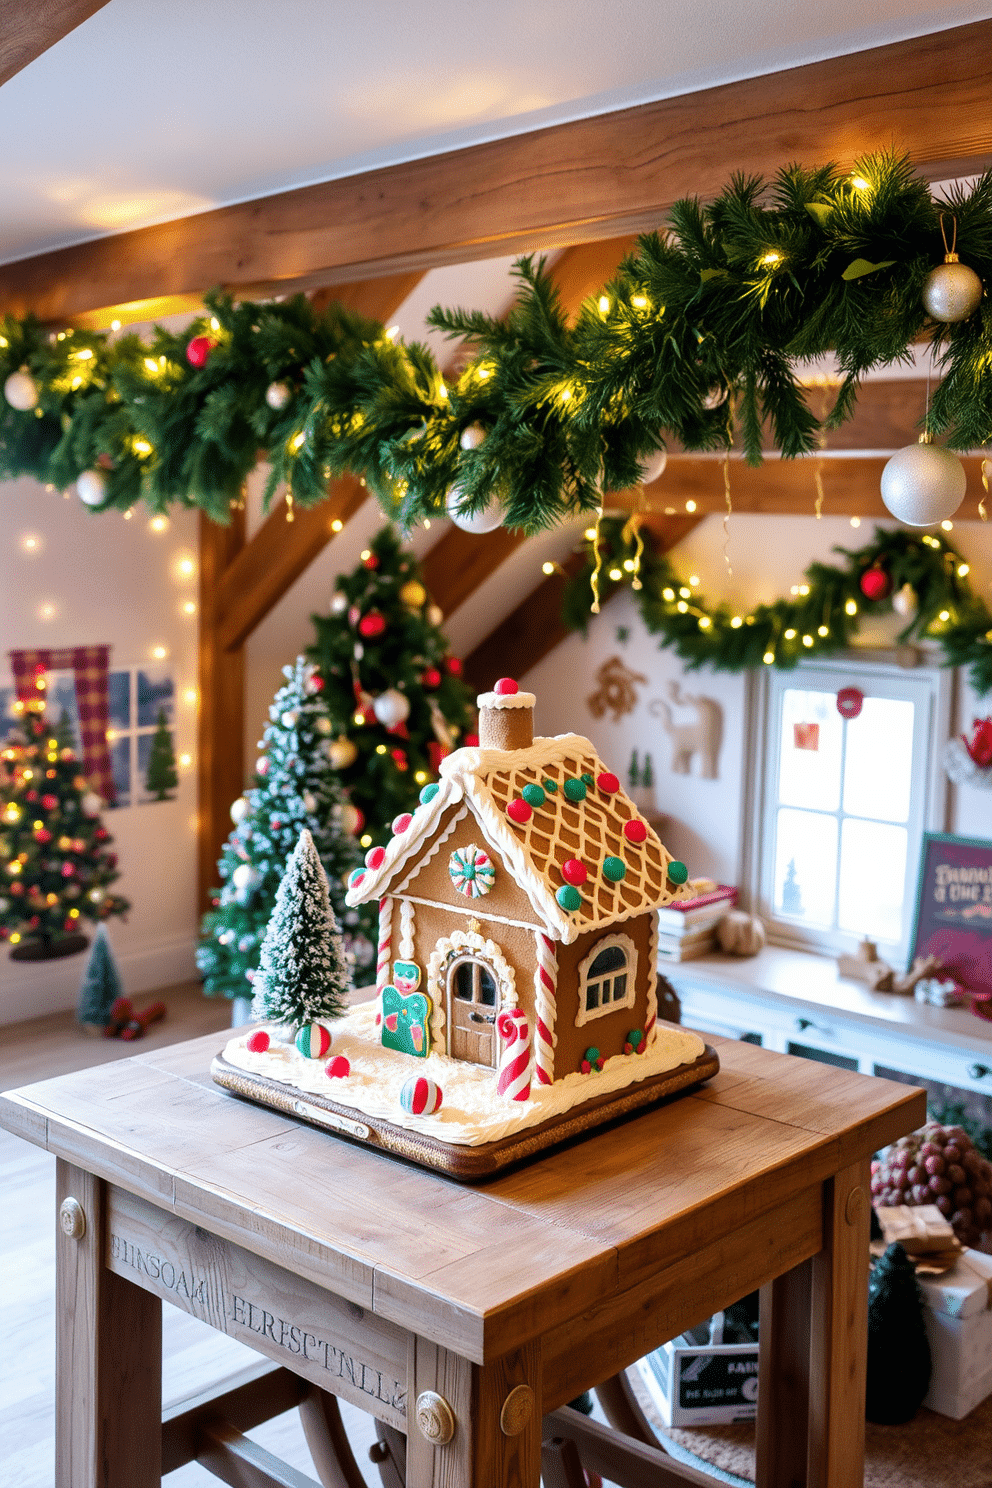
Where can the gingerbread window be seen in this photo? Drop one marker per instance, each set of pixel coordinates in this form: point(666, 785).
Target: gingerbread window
point(607, 978)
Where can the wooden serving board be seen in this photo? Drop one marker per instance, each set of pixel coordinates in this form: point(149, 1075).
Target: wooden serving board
point(468, 1164)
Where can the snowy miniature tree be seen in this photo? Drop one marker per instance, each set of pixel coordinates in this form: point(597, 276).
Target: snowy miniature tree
point(302, 972)
point(101, 984)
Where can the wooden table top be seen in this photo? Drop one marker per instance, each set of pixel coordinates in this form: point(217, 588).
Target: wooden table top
point(485, 1269)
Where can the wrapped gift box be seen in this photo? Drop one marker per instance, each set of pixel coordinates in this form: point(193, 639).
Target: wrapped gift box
point(694, 1382)
point(958, 1319)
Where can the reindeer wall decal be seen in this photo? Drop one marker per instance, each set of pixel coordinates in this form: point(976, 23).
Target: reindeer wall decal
point(701, 736)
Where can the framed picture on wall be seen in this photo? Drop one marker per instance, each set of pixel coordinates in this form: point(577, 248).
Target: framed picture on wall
point(954, 908)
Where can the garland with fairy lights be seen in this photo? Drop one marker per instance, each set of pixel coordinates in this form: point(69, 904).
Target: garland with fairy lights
point(923, 578)
point(697, 333)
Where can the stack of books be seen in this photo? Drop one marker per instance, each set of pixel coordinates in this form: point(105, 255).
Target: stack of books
point(688, 929)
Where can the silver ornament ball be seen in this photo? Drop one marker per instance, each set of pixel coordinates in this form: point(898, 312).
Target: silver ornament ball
point(904, 602)
point(715, 398)
point(923, 484)
point(339, 603)
point(391, 707)
point(653, 466)
point(952, 292)
point(471, 436)
point(486, 520)
point(277, 395)
point(92, 487)
point(21, 391)
point(239, 810)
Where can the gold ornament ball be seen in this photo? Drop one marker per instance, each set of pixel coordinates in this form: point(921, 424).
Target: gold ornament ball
point(413, 594)
point(952, 292)
point(435, 614)
point(342, 753)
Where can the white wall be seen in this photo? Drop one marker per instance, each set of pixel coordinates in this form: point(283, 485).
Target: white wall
point(110, 581)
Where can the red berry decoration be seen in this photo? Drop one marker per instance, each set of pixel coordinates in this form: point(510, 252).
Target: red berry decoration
point(573, 871)
point(431, 678)
point(518, 811)
point(635, 831)
point(257, 1041)
point(372, 624)
point(506, 687)
point(875, 583)
point(938, 1165)
point(454, 666)
point(198, 350)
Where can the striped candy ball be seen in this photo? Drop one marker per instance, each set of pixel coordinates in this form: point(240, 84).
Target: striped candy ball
point(420, 1096)
point(313, 1040)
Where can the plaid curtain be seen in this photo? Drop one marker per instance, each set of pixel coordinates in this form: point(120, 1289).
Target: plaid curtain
point(91, 668)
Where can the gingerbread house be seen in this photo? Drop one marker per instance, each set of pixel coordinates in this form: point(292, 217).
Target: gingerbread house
point(517, 907)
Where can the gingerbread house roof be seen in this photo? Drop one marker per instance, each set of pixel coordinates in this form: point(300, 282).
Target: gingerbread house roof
point(549, 804)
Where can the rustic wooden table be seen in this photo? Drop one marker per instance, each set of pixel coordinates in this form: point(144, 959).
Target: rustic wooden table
point(458, 1315)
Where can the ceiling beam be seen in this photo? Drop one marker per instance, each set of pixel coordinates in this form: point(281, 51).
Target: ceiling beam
point(591, 178)
point(30, 27)
point(535, 627)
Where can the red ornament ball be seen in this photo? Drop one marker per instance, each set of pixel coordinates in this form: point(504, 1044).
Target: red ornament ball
point(198, 350)
point(454, 666)
point(372, 624)
point(68, 869)
point(17, 889)
point(371, 562)
point(399, 758)
point(505, 687)
point(49, 802)
point(31, 795)
point(573, 871)
point(875, 583)
point(101, 834)
point(337, 1068)
point(431, 678)
point(43, 835)
point(471, 741)
point(635, 831)
point(518, 811)
point(608, 782)
point(257, 1041)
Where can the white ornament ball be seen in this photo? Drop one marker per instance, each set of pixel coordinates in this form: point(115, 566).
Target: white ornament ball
point(653, 466)
point(391, 707)
point(471, 436)
point(278, 394)
point(349, 817)
point(21, 391)
point(486, 520)
point(435, 614)
point(244, 876)
point(715, 398)
point(952, 292)
point(339, 603)
point(92, 804)
point(342, 753)
point(923, 484)
point(288, 719)
point(239, 810)
point(905, 602)
point(92, 487)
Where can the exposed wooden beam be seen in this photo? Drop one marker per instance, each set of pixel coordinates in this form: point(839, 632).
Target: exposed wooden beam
point(592, 178)
point(30, 27)
point(535, 627)
point(220, 712)
point(780, 487)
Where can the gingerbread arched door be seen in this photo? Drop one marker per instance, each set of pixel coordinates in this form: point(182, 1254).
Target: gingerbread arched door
point(473, 1002)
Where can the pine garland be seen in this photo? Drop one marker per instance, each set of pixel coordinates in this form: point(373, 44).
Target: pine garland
point(698, 328)
point(820, 617)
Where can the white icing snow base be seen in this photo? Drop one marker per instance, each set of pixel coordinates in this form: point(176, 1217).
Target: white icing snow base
point(471, 1112)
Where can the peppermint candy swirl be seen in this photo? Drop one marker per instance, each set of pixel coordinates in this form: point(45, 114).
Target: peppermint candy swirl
point(471, 871)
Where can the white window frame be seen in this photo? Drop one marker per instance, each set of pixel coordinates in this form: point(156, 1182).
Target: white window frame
point(863, 669)
point(589, 1015)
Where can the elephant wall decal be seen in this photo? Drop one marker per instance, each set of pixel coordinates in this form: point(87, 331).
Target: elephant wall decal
point(701, 736)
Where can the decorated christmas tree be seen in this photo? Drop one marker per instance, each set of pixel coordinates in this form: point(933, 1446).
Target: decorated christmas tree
point(161, 777)
point(55, 853)
point(302, 973)
point(102, 984)
point(295, 788)
point(394, 693)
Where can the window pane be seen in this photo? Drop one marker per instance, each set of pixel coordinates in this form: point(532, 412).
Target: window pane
point(120, 764)
point(592, 996)
point(487, 988)
point(805, 866)
point(879, 763)
point(619, 988)
point(119, 699)
point(810, 776)
point(463, 981)
point(612, 959)
point(872, 879)
point(154, 692)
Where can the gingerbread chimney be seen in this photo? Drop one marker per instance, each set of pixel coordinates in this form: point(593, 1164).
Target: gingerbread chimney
point(506, 717)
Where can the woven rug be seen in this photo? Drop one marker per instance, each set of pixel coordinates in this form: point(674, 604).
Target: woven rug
point(930, 1451)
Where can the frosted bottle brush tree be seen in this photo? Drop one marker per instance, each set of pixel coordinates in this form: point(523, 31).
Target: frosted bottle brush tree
point(303, 972)
point(295, 788)
point(394, 693)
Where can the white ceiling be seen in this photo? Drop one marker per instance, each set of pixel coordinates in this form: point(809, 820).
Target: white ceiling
point(153, 109)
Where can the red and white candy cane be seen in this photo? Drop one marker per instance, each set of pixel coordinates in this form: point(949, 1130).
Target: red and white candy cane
point(545, 987)
point(514, 1059)
point(385, 943)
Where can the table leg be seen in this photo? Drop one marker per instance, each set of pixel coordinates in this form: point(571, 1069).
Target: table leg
point(839, 1334)
point(493, 1414)
point(108, 1354)
point(783, 1362)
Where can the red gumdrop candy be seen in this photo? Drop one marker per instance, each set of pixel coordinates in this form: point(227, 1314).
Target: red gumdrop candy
point(505, 687)
point(374, 857)
point(573, 871)
point(257, 1041)
point(337, 1067)
point(519, 811)
point(608, 782)
point(635, 831)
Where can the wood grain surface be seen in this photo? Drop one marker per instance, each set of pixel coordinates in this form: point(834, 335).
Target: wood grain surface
point(30, 27)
